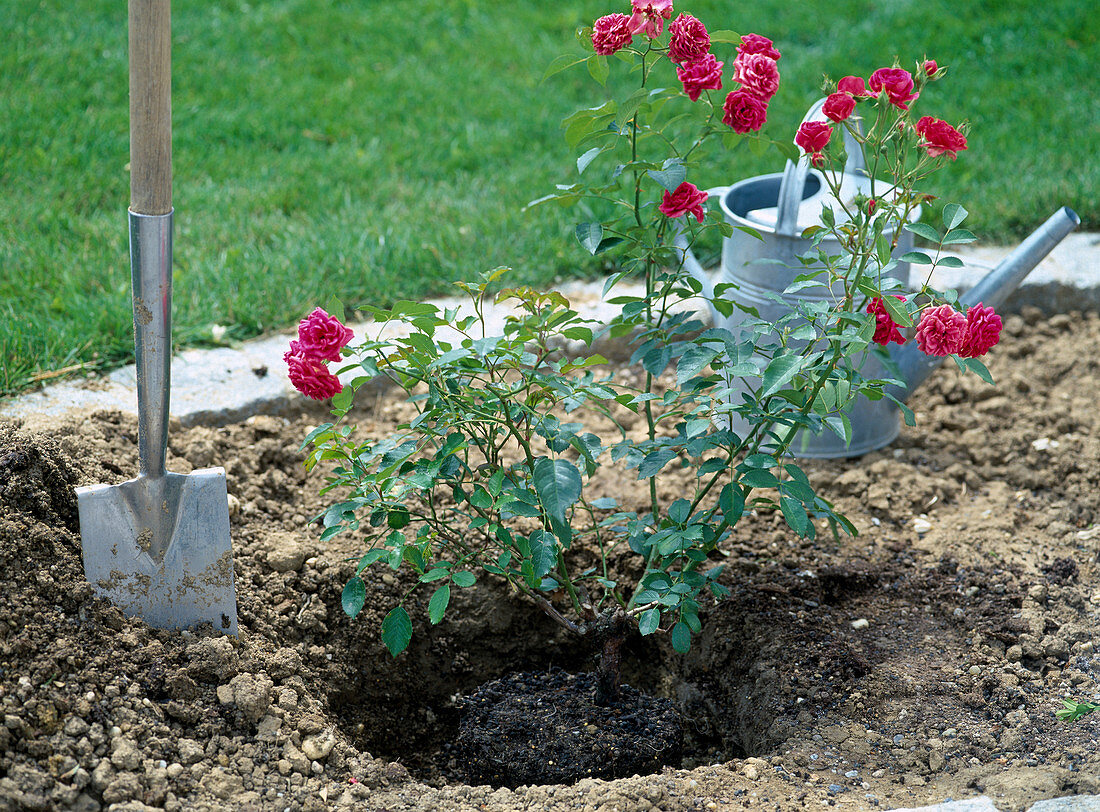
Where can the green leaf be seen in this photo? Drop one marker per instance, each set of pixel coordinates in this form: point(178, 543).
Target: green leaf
point(587, 158)
point(396, 630)
point(313, 435)
point(950, 262)
point(759, 478)
point(725, 35)
point(354, 596)
point(341, 401)
point(561, 63)
point(649, 621)
point(681, 637)
point(544, 552)
point(953, 214)
point(679, 511)
point(959, 236)
point(924, 230)
point(795, 514)
point(732, 502)
point(916, 258)
point(438, 603)
point(896, 309)
point(598, 68)
point(464, 579)
point(671, 176)
point(779, 373)
point(558, 484)
point(654, 461)
point(589, 236)
point(979, 369)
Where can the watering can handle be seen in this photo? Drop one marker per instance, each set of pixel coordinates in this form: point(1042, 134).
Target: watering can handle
point(794, 176)
point(690, 263)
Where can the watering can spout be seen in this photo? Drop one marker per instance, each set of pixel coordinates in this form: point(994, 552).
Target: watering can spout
point(992, 291)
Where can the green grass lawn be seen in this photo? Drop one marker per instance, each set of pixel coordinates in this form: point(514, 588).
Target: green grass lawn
point(378, 151)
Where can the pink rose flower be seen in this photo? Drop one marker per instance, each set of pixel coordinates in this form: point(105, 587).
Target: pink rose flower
point(757, 74)
point(744, 111)
point(983, 331)
point(702, 74)
point(812, 136)
point(321, 336)
point(756, 44)
point(930, 67)
point(311, 377)
point(648, 16)
point(898, 85)
point(886, 329)
point(686, 198)
point(939, 137)
point(941, 330)
point(853, 85)
point(838, 106)
point(689, 39)
point(611, 33)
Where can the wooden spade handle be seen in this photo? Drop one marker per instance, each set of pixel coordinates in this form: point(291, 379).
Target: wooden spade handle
point(150, 106)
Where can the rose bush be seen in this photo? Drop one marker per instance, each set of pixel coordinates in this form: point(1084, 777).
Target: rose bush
point(491, 477)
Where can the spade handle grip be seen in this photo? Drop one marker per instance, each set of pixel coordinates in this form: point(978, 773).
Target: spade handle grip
point(150, 106)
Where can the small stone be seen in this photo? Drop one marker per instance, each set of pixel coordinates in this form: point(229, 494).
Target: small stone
point(234, 504)
point(190, 751)
point(974, 670)
point(311, 723)
point(936, 761)
point(283, 766)
point(175, 770)
point(225, 695)
point(252, 694)
point(835, 789)
point(125, 755)
point(287, 558)
point(1015, 653)
point(75, 727)
point(1044, 444)
point(317, 748)
point(950, 733)
point(861, 623)
point(288, 699)
point(921, 525)
point(298, 762)
point(750, 772)
point(123, 787)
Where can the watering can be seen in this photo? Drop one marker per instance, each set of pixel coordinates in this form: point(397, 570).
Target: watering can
point(779, 207)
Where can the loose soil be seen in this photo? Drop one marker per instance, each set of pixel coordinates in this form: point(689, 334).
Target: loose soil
point(921, 660)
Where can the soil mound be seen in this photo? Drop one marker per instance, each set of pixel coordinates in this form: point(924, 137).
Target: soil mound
point(924, 658)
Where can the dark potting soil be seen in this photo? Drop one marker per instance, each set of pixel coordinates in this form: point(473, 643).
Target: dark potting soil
point(546, 728)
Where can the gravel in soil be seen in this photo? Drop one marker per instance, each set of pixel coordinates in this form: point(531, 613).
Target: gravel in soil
point(922, 659)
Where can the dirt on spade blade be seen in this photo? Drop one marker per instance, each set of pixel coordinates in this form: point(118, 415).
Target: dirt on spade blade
point(923, 659)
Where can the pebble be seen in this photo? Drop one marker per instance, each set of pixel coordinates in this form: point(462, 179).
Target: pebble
point(836, 789)
point(921, 525)
point(974, 670)
point(852, 774)
point(861, 623)
point(1044, 444)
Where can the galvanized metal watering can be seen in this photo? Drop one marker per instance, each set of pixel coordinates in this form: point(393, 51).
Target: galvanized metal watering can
point(780, 207)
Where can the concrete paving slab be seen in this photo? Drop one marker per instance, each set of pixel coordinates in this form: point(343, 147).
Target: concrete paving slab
point(225, 385)
point(980, 804)
point(1073, 803)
